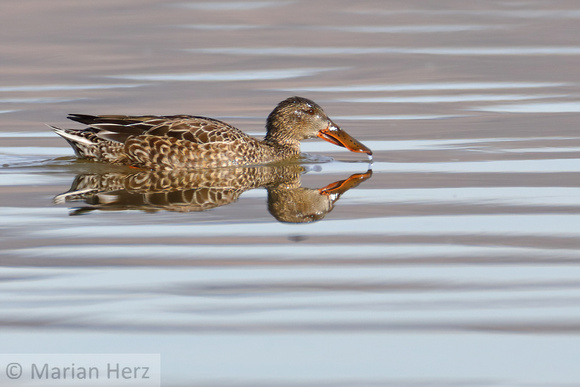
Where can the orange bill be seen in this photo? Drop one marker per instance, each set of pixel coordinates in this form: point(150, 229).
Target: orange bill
point(337, 136)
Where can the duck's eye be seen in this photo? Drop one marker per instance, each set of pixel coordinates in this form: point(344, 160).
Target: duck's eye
point(309, 112)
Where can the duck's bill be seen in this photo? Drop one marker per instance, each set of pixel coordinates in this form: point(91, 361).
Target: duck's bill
point(337, 136)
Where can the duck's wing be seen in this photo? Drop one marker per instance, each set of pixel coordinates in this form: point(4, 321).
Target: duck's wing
point(199, 130)
point(115, 127)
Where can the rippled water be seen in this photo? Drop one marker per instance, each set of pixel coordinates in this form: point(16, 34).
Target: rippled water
point(450, 260)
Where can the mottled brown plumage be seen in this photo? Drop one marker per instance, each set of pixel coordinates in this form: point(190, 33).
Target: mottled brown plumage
point(191, 142)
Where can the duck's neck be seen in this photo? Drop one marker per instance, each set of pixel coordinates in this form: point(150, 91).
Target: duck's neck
point(282, 142)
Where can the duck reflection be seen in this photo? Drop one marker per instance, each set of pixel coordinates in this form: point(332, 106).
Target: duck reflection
point(200, 190)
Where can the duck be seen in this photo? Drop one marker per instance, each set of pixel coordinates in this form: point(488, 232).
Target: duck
point(194, 142)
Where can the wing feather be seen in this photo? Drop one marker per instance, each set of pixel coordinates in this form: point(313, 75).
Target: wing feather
point(199, 130)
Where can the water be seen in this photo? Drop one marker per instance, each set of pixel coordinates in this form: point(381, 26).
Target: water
point(454, 262)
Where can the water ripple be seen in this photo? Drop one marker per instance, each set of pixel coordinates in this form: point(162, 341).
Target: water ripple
point(504, 13)
point(456, 225)
point(543, 107)
point(221, 76)
point(280, 252)
point(36, 88)
point(323, 51)
point(452, 98)
point(429, 86)
point(233, 6)
point(40, 100)
point(404, 29)
point(415, 29)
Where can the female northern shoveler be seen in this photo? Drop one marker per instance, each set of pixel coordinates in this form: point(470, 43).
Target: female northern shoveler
point(174, 142)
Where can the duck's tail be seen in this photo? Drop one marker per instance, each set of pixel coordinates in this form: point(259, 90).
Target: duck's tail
point(72, 136)
point(77, 139)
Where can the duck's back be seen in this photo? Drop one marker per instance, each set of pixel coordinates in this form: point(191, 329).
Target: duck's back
point(199, 130)
point(163, 142)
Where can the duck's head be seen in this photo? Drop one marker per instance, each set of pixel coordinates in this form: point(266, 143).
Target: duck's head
point(296, 119)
